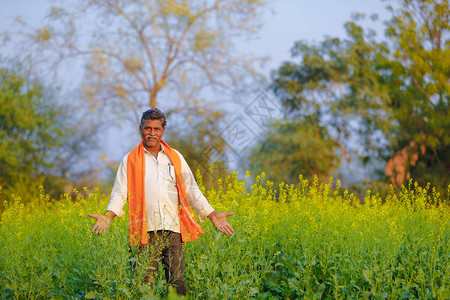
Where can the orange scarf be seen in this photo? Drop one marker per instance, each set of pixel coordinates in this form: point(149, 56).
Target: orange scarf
point(190, 229)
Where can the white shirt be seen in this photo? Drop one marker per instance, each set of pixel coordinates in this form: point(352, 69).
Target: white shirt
point(161, 194)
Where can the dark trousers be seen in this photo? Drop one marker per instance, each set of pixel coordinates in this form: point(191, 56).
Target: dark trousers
point(167, 247)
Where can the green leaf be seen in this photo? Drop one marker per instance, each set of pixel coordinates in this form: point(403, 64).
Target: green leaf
point(91, 295)
point(405, 295)
point(368, 276)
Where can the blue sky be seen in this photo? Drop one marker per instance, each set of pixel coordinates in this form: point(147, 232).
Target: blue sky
point(309, 20)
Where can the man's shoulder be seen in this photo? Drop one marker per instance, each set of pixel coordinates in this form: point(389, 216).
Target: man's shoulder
point(182, 160)
point(179, 155)
point(173, 149)
point(125, 157)
point(177, 152)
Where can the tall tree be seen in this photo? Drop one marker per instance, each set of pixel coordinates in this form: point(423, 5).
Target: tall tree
point(390, 99)
point(420, 98)
point(30, 131)
point(142, 48)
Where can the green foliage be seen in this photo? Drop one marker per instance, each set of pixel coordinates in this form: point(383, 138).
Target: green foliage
point(201, 145)
point(392, 97)
point(312, 241)
point(420, 97)
point(30, 130)
point(300, 147)
point(336, 82)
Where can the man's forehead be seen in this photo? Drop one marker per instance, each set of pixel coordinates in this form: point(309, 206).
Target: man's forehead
point(152, 123)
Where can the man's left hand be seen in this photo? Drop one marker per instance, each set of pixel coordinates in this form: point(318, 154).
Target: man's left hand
point(219, 220)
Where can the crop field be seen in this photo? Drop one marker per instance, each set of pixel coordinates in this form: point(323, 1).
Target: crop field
point(306, 241)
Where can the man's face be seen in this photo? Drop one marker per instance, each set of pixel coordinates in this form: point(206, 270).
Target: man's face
point(152, 132)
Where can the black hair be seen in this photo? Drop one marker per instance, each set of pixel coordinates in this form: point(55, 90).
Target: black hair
point(154, 114)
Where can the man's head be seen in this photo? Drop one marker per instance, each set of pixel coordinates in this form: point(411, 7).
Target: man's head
point(153, 123)
point(154, 114)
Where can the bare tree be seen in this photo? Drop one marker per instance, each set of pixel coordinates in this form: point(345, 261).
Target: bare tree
point(134, 51)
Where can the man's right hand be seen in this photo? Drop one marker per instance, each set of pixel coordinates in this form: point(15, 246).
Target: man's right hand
point(102, 223)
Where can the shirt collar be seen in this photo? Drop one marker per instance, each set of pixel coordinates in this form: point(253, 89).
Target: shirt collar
point(162, 150)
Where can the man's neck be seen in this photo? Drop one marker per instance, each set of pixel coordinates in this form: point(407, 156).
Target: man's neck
point(154, 150)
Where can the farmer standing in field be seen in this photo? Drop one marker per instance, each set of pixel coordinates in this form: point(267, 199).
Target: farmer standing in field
point(160, 189)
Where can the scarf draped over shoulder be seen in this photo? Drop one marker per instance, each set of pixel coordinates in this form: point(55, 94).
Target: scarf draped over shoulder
point(190, 229)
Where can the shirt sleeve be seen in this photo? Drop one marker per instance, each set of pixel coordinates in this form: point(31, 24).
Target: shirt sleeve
point(196, 198)
point(120, 189)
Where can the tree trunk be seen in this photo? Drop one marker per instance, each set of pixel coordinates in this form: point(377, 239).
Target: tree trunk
point(153, 99)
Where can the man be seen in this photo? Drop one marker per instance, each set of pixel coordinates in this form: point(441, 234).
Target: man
point(160, 188)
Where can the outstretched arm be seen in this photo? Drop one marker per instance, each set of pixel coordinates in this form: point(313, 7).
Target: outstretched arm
point(219, 220)
point(200, 204)
point(103, 221)
point(117, 201)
